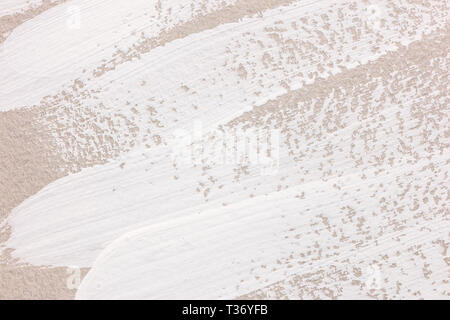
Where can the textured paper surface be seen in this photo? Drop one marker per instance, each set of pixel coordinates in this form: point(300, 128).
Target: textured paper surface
point(282, 149)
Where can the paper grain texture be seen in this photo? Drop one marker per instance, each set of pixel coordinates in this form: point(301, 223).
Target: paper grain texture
point(232, 149)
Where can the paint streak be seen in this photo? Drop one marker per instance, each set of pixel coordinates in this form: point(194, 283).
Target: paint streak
point(358, 92)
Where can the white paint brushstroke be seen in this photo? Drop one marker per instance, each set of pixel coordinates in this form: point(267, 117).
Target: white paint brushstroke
point(71, 220)
point(68, 41)
point(40, 56)
point(225, 253)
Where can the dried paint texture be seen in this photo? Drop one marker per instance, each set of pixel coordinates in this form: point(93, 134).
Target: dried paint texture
point(356, 208)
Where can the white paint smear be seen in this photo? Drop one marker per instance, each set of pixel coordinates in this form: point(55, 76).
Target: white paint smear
point(362, 174)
